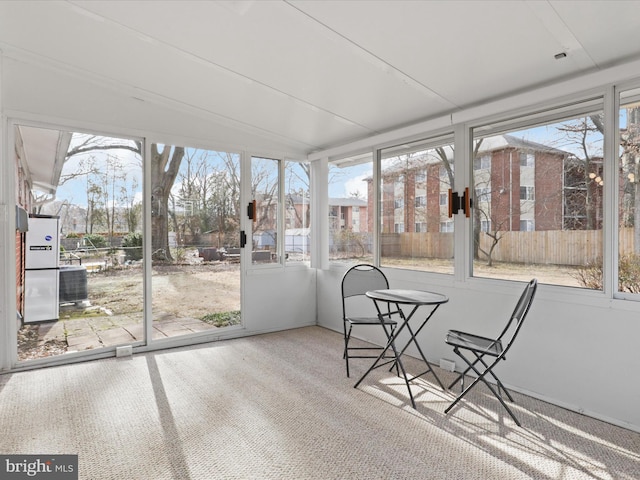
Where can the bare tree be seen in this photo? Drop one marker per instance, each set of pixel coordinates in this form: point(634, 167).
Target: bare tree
point(579, 132)
point(165, 163)
point(132, 206)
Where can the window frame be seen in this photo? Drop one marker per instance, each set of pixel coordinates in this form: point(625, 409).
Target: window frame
point(569, 108)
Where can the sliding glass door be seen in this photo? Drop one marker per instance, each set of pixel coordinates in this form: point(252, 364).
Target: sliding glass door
point(80, 241)
point(195, 240)
point(79, 273)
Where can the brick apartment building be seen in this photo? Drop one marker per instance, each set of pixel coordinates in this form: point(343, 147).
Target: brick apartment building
point(519, 186)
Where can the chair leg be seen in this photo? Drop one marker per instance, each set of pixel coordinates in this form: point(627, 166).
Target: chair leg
point(498, 382)
point(480, 378)
point(460, 378)
point(347, 336)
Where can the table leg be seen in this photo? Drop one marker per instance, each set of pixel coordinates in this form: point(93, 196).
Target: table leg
point(414, 340)
point(390, 343)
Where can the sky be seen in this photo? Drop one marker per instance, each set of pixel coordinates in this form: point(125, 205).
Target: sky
point(344, 182)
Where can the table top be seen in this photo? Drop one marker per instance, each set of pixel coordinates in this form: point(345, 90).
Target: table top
point(408, 297)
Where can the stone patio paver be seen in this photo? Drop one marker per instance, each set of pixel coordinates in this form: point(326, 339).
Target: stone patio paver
point(96, 332)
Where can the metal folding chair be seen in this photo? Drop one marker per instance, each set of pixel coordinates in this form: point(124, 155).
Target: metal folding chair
point(356, 282)
point(488, 352)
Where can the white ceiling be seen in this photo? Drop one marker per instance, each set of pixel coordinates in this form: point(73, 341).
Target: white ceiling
point(308, 74)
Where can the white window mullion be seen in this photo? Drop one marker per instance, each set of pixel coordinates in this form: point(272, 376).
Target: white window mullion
point(611, 193)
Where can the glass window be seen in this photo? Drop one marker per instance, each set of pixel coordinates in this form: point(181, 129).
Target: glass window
point(350, 209)
point(526, 225)
point(415, 179)
point(482, 163)
point(526, 193)
point(540, 218)
point(629, 193)
point(265, 192)
point(446, 226)
point(527, 159)
point(297, 212)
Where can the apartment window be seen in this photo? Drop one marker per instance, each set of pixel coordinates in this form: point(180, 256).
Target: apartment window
point(482, 163)
point(527, 159)
point(446, 227)
point(566, 147)
point(483, 194)
point(444, 199)
point(526, 226)
point(413, 175)
point(527, 193)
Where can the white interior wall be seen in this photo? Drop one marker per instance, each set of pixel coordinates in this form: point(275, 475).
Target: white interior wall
point(278, 299)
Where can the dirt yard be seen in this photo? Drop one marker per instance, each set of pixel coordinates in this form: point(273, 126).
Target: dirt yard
point(181, 290)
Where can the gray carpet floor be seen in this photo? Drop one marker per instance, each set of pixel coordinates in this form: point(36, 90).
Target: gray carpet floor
point(279, 406)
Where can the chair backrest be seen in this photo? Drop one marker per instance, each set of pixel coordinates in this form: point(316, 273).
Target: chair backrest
point(516, 320)
point(358, 280)
point(361, 278)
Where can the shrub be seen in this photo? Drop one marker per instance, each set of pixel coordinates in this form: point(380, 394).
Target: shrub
point(222, 319)
point(590, 275)
point(97, 241)
point(629, 273)
point(132, 244)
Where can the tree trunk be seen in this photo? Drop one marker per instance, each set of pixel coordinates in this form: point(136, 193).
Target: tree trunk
point(165, 165)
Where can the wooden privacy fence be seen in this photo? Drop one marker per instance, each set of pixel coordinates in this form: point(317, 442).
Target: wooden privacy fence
point(553, 247)
point(425, 245)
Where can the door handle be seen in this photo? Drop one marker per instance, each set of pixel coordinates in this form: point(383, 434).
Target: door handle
point(251, 211)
